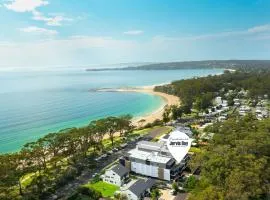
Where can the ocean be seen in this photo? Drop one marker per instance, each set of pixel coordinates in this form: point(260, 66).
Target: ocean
point(35, 103)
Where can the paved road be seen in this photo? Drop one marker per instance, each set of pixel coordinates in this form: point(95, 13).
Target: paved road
point(63, 192)
point(87, 174)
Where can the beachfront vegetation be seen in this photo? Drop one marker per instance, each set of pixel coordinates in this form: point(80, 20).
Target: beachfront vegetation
point(47, 164)
point(236, 162)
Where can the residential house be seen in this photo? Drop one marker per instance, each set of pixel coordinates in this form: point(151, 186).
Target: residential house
point(116, 175)
point(139, 189)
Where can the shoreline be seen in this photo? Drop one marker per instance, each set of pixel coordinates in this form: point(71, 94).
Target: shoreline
point(169, 100)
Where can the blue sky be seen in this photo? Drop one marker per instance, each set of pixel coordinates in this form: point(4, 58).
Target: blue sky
point(49, 33)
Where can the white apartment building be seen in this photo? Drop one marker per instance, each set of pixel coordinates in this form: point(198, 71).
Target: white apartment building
point(154, 160)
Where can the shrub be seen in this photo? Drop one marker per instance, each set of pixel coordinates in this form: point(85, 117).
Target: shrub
point(85, 193)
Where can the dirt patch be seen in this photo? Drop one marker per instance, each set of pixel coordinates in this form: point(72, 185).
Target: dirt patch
point(181, 196)
point(166, 195)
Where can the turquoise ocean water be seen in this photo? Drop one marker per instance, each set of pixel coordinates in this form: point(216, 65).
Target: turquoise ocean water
point(35, 103)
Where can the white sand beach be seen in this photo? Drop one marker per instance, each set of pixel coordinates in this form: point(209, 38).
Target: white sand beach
point(151, 117)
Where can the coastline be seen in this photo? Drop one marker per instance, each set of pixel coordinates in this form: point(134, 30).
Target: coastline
point(41, 126)
point(169, 100)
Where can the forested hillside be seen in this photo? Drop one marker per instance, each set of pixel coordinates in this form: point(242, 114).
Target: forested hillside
point(232, 64)
point(236, 163)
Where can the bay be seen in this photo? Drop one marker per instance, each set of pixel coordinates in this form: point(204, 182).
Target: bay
point(35, 103)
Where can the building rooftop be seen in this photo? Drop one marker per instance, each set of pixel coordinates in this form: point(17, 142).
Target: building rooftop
point(185, 130)
point(181, 129)
point(120, 170)
point(149, 144)
point(150, 156)
point(152, 146)
point(140, 186)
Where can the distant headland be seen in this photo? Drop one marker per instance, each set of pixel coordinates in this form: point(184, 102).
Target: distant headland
point(224, 64)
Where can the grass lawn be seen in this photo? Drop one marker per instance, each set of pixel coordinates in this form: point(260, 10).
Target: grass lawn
point(195, 150)
point(141, 132)
point(106, 189)
point(163, 131)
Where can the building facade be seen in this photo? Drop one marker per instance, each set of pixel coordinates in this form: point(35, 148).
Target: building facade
point(116, 175)
point(154, 160)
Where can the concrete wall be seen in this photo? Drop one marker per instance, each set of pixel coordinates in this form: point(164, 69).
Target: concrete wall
point(149, 170)
point(128, 164)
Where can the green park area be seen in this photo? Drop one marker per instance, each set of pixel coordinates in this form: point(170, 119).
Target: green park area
point(106, 189)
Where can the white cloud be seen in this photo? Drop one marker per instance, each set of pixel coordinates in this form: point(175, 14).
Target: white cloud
point(77, 50)
point(252, 33)
point(259, 29)
point(25, 5)
point(84, 50)
point(55, 20)
point(133, 32)
point(219, 35)
point(37, 30)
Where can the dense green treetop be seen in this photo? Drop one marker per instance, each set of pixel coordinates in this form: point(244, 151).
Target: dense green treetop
point(236, 163)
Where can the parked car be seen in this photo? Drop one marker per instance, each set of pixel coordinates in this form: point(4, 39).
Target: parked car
point(110, 152)
point(123, 145)
point(104, 155)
